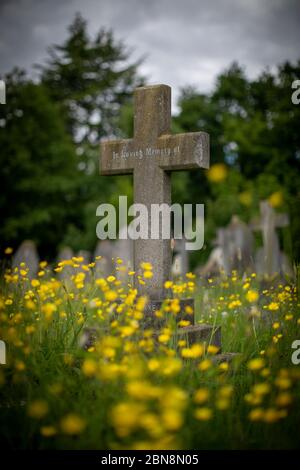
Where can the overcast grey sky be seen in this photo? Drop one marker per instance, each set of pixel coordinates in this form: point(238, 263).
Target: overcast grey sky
point(186, 41)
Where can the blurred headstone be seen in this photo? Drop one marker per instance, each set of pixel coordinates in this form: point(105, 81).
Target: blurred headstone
point(65, 254)
point(123, 249)
point(269, 259)
point(180, 265)
point(234, 250)
point(27, 253)
point(105, 252)
point(241, 243)
point(86, 255)
point(215, 263)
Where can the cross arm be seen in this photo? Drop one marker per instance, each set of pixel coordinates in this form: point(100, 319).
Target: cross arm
point(117, 157)
point(187, 151)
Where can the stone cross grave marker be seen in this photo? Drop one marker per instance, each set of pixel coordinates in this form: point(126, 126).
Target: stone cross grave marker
point(268, 223)
point(151, 156)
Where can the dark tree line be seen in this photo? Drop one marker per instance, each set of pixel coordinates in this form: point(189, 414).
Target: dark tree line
point(50, 133)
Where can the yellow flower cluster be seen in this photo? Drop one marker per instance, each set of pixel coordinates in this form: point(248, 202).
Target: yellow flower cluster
point(86, 335)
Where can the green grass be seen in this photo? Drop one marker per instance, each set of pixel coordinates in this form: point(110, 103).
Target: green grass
point(131, 391)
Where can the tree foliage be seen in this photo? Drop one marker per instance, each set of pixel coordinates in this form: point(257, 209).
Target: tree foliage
point(39, 195)
point(50, 133)
point(254, 130)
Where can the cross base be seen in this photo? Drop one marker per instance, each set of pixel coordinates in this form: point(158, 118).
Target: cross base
point(205, 334)
point(153, 320)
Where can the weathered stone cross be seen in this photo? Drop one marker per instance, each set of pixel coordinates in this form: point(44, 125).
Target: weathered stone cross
point(151, 155)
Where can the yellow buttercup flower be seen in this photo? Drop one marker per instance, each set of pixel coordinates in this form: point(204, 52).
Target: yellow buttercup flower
point(217, 173)
point(153, 364)
point(196, 350)
point(273, 306)
point(142, 390)
point(252, 296)
point(201, 395)
point(164, 338)
point(205, 365)
point(261, 388)
point(253, 399)
point(212, 349)
point(256, 414)
point(126, 417)
point(20, 366)
point(190, 275)
point(183, 323)
point(148, 274)
point(226, 391)
point(284, 399)
point(276, 199)
point(283, 382)
point(38, 409)
point(30, 329)
point(89, 367)
point(48, 431)
point(49, 309)
point(256, 364)
point(146, 266)
point(189, 310)
point(203, 414)
point(172, 419)
point(271, 415)
point(110, 295)
point(168, 284)
point(222, 404)
point(72, 424)
point(175, 306)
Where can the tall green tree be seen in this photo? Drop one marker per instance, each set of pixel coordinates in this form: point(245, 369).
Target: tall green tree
point(39, 177)
point(91, 78)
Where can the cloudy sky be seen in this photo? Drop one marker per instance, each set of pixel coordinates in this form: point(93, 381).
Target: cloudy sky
point(185, 41)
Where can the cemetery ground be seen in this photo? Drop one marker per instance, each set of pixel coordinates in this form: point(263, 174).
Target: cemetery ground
point(141, 389)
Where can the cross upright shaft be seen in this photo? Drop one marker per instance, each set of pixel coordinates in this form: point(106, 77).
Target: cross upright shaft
point(151, 155)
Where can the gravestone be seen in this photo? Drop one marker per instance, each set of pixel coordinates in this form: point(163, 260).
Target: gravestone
point(214, 265)
point(269, 259)
point(65, 254)
point(123, 249)
point(241, 238)
point(104, 266)
point(27, 253)
point(86, 255)
point(234, 250)
point(180, 264)
point(151, 155)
